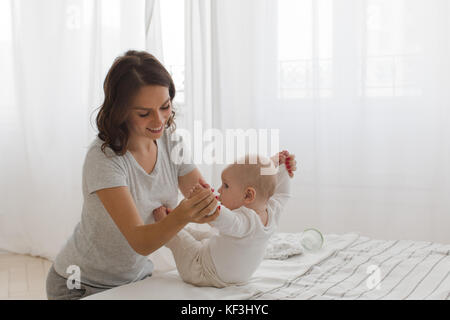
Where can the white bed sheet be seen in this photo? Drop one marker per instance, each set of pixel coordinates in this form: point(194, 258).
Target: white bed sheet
point(347, 267)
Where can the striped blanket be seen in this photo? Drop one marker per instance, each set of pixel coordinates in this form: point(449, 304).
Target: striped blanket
point(372, 269)
point(348, 266)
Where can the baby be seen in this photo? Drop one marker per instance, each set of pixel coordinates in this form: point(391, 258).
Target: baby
point(251, 204)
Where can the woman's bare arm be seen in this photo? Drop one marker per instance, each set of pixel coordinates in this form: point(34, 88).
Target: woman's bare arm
point(145, 239)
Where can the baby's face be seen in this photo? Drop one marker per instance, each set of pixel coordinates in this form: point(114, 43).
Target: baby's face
point(231, 191)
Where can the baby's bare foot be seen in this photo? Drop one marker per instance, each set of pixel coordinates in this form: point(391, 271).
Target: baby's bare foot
point(160, 213)
point(194, 190)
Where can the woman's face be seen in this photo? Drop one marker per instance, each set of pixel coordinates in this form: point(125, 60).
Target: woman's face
point(150, 110)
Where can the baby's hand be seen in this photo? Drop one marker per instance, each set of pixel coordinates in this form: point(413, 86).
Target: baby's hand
point(160, 213)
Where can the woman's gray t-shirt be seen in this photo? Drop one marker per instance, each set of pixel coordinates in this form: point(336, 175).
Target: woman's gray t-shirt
point(97, 246)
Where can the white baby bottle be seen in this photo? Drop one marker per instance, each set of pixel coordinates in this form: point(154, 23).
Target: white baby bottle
point(312, 240)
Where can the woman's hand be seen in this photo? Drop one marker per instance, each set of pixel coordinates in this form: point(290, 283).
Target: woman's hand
point(196, 209)
point(284, 157)
point(291, 164)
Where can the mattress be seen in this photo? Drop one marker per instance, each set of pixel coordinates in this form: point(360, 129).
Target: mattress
point(348, 267)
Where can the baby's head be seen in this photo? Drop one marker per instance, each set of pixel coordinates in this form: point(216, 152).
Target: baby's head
point(243, 183)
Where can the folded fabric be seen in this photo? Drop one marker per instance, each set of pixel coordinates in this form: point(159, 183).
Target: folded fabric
point(284, 245)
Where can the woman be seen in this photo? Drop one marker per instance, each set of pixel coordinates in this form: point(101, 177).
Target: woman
point(128, 172)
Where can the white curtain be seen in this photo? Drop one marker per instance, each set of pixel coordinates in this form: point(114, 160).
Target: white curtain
point(153, 29)
point(198, 107)
point(360, 93)
point(54, 58)
point(358, 89)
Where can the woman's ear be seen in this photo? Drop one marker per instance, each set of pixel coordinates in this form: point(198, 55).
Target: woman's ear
point(249, 195)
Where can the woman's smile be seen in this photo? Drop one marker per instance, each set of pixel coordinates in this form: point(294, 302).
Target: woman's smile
point(156, 130)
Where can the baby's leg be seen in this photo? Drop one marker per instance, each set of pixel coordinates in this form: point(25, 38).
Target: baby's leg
point(186, 252)
point(193, 262)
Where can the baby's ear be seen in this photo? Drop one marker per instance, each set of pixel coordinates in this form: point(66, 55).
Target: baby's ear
point(250, 195)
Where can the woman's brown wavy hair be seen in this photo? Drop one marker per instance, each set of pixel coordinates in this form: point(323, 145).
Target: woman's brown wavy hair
point(127, 75)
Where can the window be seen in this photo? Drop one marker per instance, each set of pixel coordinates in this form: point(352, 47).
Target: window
point(172, 25)
point(304, 48)
point(392, 49)
point(375, 45)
